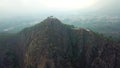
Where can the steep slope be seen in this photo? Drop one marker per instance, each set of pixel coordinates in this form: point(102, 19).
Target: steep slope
point(55, 45)
point(50, 41)
point(51, 44)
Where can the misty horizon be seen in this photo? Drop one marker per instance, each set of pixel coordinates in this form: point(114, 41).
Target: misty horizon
point(16, 8)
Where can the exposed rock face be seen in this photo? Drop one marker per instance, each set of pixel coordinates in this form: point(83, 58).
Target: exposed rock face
point(51, 44)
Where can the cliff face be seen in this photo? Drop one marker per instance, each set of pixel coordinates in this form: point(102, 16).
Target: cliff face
point(51, 44)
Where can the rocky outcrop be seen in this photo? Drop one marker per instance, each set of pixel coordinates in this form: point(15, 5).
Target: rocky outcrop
point(55, 45)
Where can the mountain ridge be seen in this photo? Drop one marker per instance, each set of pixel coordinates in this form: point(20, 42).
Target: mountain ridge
point(51, 44)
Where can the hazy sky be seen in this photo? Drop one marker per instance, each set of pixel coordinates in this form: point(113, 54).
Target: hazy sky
point(14, 7)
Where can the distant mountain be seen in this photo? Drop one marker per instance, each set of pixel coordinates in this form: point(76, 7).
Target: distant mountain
point(52, 44)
